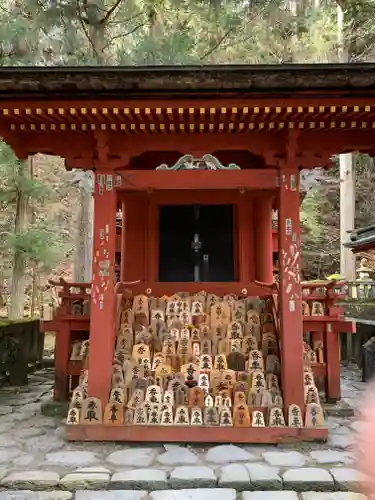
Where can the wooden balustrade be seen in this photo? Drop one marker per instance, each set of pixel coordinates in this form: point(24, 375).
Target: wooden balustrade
point(70, 321)
point(324, 328)
point(361, 290)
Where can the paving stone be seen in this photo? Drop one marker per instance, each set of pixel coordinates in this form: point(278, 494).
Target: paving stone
point(4, 410)
point(346, 479)
point(31, 407)
point(198, 494)
point(71, 458)
point(177, 455)
point(29, 432)
point(54, 495)
point(266, 495)
point(110, 495)
point(23, 460)
point(8, 455)
point(146, 479)
point(46, 444)
point(6, 426)
point(264, 477)
point(331, 457)
point(341, 441)
point(7, 442)
point(284, 458)
point(94, 468)
point(234, 476)
point(136, 457)
point(308, 479)
point(227, 453)
point(337, 495)
point(84, 480)
point(20, 416)
point(192, 476)
point(33, 495)
point(35, 479)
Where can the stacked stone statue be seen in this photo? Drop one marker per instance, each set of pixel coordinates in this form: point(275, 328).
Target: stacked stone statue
point(199, 360)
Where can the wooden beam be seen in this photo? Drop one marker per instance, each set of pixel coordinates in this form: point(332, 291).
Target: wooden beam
point(173, 434)
point(305, 99)
point(143, 180)
point(159, 288)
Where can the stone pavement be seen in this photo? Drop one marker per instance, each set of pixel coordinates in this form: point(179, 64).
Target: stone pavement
point(36, 462)
point(197, 494)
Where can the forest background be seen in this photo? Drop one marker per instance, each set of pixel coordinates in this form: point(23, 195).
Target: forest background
point(44, 210)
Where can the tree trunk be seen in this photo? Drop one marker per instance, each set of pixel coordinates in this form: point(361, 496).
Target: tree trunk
point(347, 177)
point(34, 264)
point(17, 296)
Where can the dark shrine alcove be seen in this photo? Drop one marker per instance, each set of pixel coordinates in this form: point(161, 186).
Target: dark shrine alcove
point(196, 243)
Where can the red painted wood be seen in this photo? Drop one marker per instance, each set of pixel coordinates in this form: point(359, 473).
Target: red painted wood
point(236, 237)
point(290, 285)
point(332, 358)
point(303, 98)
point(153, 237)
point(263, 248)
point(158, 289)
point(363, 248)
point(102, 292)
point(245, 239)
point(144, 180)
point(275, 241)
point(181, 434)
point(318, 324)
point(136, 243)
point(124, 234)
point(196, 197)
point(62, 354)
point(319, 369)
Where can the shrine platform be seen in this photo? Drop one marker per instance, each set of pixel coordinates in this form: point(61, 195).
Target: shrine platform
point(33, 447)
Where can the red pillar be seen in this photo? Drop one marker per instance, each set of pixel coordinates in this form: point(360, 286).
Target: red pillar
point(263, 245)
point(332, 359)
point(123, 241)
point(102, 292)
point(62, 355)
point(290, 286)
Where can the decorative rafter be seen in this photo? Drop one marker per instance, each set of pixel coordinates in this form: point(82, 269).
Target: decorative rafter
point(207, 162)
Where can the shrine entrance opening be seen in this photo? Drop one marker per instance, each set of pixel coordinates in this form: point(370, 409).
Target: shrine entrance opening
point(197, 243)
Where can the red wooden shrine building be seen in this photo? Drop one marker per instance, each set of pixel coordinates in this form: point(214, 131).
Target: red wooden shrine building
point(362, 239)
point(196, 158)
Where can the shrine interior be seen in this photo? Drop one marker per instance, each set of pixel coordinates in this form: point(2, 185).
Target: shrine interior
point(196, 243)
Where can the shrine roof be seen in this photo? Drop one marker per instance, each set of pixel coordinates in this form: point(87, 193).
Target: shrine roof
point(186, 81)
point(361, 239)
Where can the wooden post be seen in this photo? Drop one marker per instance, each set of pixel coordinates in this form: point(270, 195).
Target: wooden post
point(290, 283)
point(102, 324)
point(332, 358)
point(123, 241)
point(62, 354)
point(244, 233)
point(263, 248)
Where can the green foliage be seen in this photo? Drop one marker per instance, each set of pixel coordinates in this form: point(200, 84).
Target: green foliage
point(38, 244)
point(311, 212)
